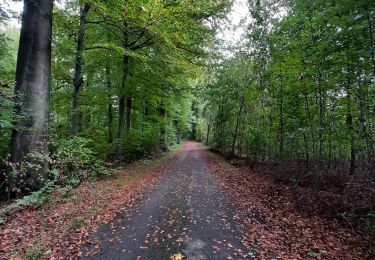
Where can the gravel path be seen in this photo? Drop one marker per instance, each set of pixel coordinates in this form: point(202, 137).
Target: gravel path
point(187, 212)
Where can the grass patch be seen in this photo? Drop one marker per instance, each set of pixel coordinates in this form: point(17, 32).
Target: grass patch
point(33, 253)
point(76, 223)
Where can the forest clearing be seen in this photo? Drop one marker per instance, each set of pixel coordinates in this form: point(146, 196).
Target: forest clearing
point(187, 129)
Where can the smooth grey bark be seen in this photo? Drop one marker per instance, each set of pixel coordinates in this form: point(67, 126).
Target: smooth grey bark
point(110, 106)
point(125, 73)
point(78, 80)
point(32, 88)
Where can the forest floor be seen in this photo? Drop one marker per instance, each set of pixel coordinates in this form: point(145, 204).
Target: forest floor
point(191, 203)
point(59, 227)
point(290, 221)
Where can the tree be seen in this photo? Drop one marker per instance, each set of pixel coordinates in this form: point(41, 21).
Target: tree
point(78, 80)
point(30, 135)
point(308, 98)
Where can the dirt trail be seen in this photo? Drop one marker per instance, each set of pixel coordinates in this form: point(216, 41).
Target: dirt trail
point(187, 212)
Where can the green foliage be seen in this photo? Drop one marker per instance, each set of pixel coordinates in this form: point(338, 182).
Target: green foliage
point(26, 176)
point(37, 197)
point(306, 78)
point(8, 47)
point(165, 44)
point(8, 53)
point(6, 116)
point(75, 161)
point(311, 255)
point(76, 223)
point(33, 253)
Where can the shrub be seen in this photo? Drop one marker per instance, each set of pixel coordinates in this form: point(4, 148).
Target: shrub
point(76, 161)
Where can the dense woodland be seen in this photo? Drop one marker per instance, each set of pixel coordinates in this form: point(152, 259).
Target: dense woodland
point(301, 89)
point(89, 86)
point(110, 81)
point(86, 85)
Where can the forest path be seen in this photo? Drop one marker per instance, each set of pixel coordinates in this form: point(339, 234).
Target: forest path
point(187, 212)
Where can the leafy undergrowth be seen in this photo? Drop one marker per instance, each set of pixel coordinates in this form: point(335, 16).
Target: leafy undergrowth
point(59, 227)
point(275, 225)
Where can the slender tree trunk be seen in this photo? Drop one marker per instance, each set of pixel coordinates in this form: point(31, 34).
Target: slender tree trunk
point(281, 129)
point(194, 123)
point(78, 80)
point(269, 133)
point(237, 125)
point(369, 141)
point(366, 134)
point(321, 118)
point(306, 150)
point(143, 116)
point(128, 113)
point(208, 132)
point(144, 113)
point(307, 108)
point(32, 88)
point(329, 146)
point(239, 143)
point(162, 139)
point(320, 133)
point(121, 116)
point(349, 122)
point(110, 106)
point(221, 108)
point(371, 37)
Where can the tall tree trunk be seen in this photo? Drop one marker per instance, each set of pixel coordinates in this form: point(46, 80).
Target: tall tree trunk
point(365, 135)
point(162, 140)
point(128, 113)
point(32, 88)
point(144, 114)
point(125, 72)
point(110, 107)
point(371, 37)
point(281, 127)
point(321, 118)
point(329, 146)
point(306, 150)
point(349, 122)
point(307, 108)
point(269, 133)
point(237, 125)
point(194, 122)
point(78, 69)
point(221, 143)
point(369, 141)
point(208, 132)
